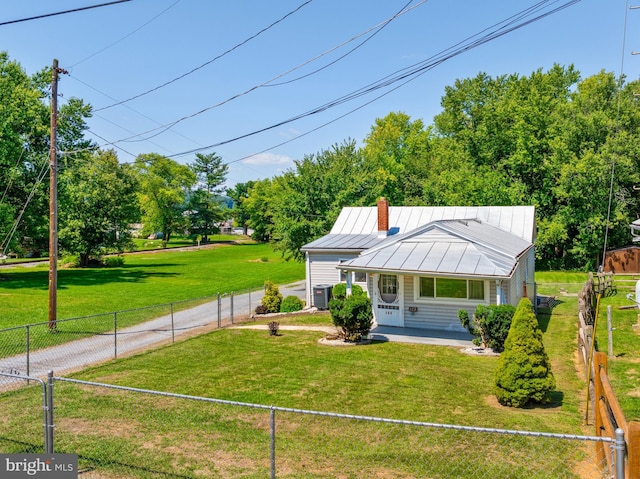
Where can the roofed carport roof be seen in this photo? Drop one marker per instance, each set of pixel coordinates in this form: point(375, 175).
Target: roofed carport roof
point(466, 248)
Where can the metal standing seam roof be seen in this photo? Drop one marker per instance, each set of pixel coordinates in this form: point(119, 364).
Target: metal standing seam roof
point(517, 220)
point(356, 242)
point(458, 247)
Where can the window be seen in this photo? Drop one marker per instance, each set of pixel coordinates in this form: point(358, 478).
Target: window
point(388, 288)
point(451, 288)
point(359, 277)
point(428, 287)
point(356, 276)
point(476, 289)
point(388, 284)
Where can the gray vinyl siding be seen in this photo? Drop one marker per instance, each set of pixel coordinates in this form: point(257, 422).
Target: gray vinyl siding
point(321, 269)
point(440, 316)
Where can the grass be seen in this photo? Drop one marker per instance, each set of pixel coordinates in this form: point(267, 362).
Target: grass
point(143, 244)
point(144, 280)
point(623, 366)
point(115, 430)
point(133, 435)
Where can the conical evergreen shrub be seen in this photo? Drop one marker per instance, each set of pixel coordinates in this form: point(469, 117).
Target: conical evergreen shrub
point(524, 374)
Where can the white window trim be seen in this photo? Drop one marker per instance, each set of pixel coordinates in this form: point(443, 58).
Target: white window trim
point(353, 276)
point(421, 299)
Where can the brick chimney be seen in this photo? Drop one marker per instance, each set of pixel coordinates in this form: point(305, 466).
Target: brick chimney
point(383, 217)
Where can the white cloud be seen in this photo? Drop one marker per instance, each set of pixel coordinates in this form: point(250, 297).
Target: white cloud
point(268, 159)
point(289, 133)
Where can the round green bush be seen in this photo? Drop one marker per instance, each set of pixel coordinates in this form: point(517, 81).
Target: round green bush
point(339, 291)
point(291, 304)
point(272, 297)
point(524, 374)
point(113, 261)
point(353, 315)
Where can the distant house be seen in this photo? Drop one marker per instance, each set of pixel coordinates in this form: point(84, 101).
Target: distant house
point(420, 265)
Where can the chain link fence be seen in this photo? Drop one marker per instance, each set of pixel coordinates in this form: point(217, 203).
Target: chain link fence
point(25, 418)
point(122, 432)
point(73, 344)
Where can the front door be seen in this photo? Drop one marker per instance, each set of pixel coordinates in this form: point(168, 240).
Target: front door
point(387, 303)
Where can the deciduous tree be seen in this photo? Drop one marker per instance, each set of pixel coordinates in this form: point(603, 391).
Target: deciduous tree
point(100, 202)
point(164, 185)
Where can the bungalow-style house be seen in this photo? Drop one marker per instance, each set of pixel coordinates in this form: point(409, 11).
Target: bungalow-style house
point(420, 265)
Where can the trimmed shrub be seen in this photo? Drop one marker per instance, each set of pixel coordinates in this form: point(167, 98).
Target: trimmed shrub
point(291, 304)
point(353, 315)
point(113, 261)
point(339, 291)
point(274, 327)
point(272, 297)
point(70, 261)
point(490, 324)
point(524, 374)
point(261, 309)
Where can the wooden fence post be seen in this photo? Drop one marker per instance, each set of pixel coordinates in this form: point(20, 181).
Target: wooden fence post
point(633, 450)
point(599, 361)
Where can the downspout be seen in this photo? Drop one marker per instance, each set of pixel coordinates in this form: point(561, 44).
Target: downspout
point(307, 293)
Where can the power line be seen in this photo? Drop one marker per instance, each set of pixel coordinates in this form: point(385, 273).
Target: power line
point(616, 137)
point(37, 17)
point(376, 27)
point(128, 35)
point(193, 70)
point(7, 240)
point(502, 28)
point(497, 30)
point(129, 108)
point(163, 128)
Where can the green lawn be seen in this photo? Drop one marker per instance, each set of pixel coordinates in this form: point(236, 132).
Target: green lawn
point(113, 430)
point(623, 366)
point(144, 244)
point(145, 279)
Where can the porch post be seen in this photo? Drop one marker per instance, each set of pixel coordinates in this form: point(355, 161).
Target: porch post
point(498, 292)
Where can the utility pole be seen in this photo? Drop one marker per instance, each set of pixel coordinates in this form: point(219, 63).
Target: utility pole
point(53, 199)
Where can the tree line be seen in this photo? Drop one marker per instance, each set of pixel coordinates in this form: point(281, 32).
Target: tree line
point(567, 145)
point(99, 198)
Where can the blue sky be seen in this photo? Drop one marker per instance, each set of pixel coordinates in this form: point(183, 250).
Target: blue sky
point(258, 78)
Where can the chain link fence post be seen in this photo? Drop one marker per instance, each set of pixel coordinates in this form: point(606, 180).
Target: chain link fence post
point(619, 449)
point(49, 424)
point(231, 308)
point(115, 335)
point(219, 313)
point(173, 331)
point(272, 434)
point(28, 347)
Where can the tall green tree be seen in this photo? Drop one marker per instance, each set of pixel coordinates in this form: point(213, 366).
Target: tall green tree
point(258, 207)
point(523, 374)
point(238, 194)
point(164, 186)
point(396, 152)
point(551, 140)
point(24, 151)
point(596, 147)
point(205, 209)
point(98, 202)
point(311, 195)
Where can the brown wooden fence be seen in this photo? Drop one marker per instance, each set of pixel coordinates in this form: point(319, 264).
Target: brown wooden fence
point(608, 415)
